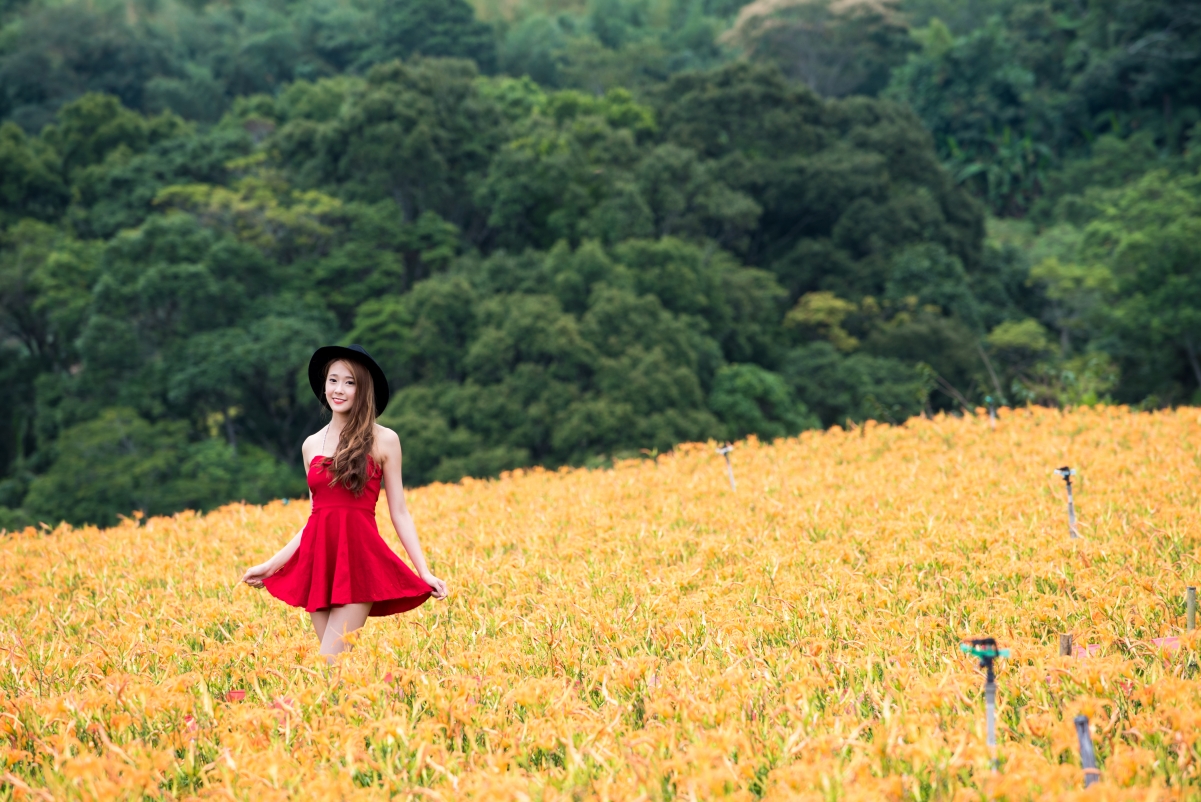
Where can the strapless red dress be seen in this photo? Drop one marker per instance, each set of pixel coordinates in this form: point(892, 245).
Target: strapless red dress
point(342, 559)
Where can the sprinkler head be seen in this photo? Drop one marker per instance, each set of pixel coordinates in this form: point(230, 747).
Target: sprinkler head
point(984, 649)
point(1064, 473)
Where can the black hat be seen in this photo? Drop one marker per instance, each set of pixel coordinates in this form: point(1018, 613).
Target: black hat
point(356, 353)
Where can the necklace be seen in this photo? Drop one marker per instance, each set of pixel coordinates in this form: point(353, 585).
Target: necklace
point(326, 437)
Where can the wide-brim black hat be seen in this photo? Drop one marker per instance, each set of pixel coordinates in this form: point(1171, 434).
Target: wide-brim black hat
point(356, 353)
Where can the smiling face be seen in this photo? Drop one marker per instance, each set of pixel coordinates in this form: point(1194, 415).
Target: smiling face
point(340, 386)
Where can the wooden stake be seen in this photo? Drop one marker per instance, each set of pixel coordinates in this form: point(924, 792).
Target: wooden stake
point(1065, 644)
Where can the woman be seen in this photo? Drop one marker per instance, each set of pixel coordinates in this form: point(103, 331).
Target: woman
point(337, 567)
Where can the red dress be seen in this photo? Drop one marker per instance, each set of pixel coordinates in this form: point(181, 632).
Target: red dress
point(342, 559)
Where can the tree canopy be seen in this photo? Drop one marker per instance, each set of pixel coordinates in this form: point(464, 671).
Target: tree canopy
point(575, 235)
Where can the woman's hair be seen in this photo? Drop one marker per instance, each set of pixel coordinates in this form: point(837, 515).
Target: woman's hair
point(348, 465)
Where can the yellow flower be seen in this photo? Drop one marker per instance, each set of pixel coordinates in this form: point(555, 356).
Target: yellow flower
point(645, 632)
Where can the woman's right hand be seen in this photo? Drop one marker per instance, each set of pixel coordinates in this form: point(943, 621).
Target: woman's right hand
point(255, 575)
point(437, 586)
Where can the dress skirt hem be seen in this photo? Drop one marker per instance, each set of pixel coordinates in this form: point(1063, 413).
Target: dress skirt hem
point(343, 560)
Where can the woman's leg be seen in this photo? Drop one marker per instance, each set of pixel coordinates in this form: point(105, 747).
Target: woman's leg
point(343, 620)
point(320, 618)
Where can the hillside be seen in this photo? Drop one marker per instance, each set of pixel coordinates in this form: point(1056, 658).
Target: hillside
point(645, 632)
point(574, 231)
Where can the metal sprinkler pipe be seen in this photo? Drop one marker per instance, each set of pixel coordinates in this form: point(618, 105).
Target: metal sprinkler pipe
point(986, 651)
point(725, 450)
point(1066, 474)
point(1088, 758)
point(990, 714)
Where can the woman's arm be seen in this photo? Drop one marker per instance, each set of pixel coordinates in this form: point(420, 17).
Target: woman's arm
point(255, 575)
point(388, 445)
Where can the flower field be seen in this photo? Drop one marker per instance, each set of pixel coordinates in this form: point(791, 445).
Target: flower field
point(648, 633)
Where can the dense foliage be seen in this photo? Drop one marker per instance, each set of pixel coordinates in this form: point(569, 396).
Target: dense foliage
point(573, 232)
point(1020, 102)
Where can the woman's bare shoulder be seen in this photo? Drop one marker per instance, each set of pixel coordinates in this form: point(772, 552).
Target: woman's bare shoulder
point(387, 444)
point(386, 437)
point(312, 445)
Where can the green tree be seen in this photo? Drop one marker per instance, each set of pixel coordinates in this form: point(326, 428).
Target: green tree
point(1078, 296)
point(569, 172)
point(688, 199)
point(1037, 83)
point(849, 182)
point(823, 314)
point(1147, 235)
point(742, 307)
point(574, 273)
point(536, 46)
point(46, 278)
point(931, 276)
point(56, 53)
point(187, 322)
point(420, 134)
point(835, 49)
point(858, 386)
point(31, 183)
point(119, 191)
point(421, 336)
point(750, 400)
point(120, 463)
point(88, 129)
point(445, 28)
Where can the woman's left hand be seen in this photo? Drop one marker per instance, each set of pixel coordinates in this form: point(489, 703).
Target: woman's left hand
point(438, 586)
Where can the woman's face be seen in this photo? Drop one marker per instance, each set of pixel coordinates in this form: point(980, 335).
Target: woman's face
point(339, 387)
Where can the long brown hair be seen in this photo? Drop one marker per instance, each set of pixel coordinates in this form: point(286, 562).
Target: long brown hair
point(348, 465)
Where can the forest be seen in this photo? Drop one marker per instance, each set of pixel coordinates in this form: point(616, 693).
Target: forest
point(574, 231)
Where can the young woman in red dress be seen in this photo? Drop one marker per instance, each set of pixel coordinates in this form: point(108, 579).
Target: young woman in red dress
point(337, 567)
